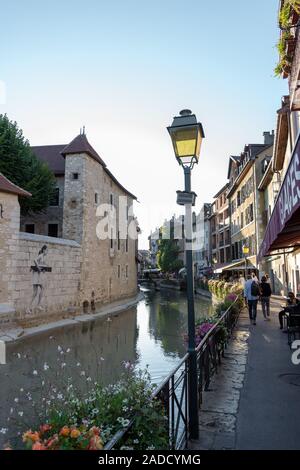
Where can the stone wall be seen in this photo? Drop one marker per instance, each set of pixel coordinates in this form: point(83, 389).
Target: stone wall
point(9, 230)
point(59, 278)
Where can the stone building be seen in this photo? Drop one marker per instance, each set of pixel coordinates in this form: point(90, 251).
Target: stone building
point(90, 257)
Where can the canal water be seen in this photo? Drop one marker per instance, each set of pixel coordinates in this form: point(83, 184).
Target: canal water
point(149, 334)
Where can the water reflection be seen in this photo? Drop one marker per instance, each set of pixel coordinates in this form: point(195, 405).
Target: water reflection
point(150, 333)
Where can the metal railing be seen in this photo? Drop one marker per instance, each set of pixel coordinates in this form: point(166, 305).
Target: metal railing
point(173, 391)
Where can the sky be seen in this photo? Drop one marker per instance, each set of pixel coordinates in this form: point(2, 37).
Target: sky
point(124, 69)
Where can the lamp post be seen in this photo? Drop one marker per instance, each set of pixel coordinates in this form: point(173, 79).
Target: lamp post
point(186, 135)
point(245, 252)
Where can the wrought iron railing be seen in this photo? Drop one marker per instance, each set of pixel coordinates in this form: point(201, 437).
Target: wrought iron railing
point(173, 391)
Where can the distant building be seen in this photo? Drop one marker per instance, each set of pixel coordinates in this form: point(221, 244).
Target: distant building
point(144, 260)
point(202, 243)
point(220, 253)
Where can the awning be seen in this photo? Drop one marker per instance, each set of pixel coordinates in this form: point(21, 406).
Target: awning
point(283, 229)
point(237, 266)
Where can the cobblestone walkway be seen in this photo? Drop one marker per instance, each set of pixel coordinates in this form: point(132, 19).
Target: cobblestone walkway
point(253, 402)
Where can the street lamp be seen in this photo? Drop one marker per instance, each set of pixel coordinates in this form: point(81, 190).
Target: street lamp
point(186, 135)
point(245, 253)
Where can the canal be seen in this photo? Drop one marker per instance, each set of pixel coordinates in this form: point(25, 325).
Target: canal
point(149, 334)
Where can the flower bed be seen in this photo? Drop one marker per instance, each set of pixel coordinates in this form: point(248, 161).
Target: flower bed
point(72, 420)
point(221, 288)
point(203, 326)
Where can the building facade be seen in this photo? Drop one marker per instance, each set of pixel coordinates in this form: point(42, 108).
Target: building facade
point(279, 250)
point(220, 252)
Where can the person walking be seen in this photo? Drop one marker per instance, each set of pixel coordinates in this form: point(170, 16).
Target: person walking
point(268, 278)
point(265, 294)
point(251, 294)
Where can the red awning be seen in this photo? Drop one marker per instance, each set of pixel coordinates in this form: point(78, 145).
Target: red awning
point(283, 229)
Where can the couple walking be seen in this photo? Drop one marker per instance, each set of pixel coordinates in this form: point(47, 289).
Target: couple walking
point(253, 291)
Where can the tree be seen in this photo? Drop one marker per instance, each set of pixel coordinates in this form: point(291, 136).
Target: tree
point(168, 256)
point(19, 165)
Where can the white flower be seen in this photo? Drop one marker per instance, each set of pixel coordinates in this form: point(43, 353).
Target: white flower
point(16, 400)
point(18, 355)
point(68, 350)
point(88, 379)
point(63, 365)
point(102, 358)
point(20, 413)
point(82, 373)
point(136, 441)
point(78, 364)
point(3, 430)
point(46, 367)
point(59, 348)
point(60, 396)
point(11, 410)
point(21, 389)
point(43, 383)
point(35, 372)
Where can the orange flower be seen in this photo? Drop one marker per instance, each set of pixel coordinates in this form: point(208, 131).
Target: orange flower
point(38, 446)
point(75, 433)
point(65, 431)
point(95, 443)
point(7, 448)
point(31, 436)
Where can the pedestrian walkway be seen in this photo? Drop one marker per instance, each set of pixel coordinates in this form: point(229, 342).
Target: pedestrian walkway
point(253, 402)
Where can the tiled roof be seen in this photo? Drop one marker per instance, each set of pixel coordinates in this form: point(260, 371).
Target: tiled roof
point(8, 187)
point(79, 145)
point(54, 155)
point(51, 154)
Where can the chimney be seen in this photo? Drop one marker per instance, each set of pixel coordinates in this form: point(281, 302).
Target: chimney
point(268, 138)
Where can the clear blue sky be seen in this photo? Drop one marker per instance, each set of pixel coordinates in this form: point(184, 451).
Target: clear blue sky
point(125, 68)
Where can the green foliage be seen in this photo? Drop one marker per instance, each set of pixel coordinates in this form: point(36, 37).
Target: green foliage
point(168, 256)
point(295, 4)
point(19, 165)
point(286, 22)
point(285, 14)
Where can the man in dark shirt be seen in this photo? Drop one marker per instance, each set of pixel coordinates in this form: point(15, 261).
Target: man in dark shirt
point(291, 304)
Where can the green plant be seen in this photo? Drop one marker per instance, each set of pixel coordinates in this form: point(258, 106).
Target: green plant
point(63, 407)
point(285, 15)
